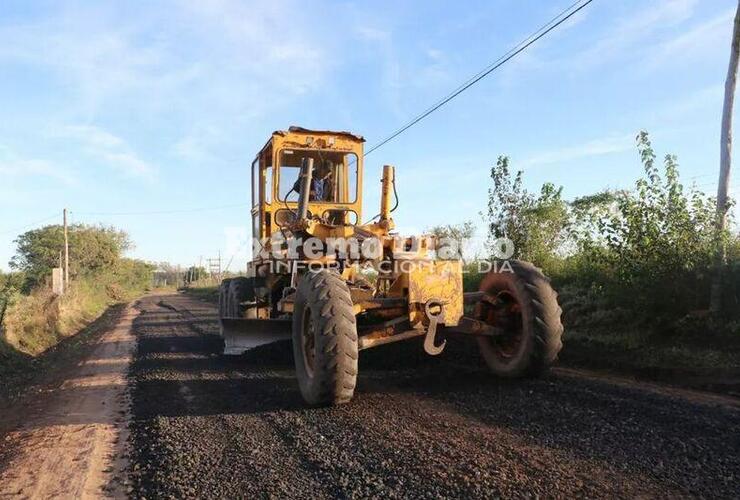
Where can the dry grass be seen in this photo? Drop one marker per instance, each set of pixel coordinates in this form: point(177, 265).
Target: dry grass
point(30, 323)
point(38, 321)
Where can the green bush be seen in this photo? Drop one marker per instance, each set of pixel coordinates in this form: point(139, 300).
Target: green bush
point(536, 224)
point(11, 285)
point(642, 256)
point(659, 241)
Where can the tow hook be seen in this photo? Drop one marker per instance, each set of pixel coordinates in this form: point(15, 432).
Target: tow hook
point(435, 312)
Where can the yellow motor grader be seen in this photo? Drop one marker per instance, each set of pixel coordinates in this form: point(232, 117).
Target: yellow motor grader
point(336, 286)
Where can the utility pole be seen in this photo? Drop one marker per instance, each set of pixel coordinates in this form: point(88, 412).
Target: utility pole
point(60, 275)
point(725, 162)
point(66, 252)
point(214, 267)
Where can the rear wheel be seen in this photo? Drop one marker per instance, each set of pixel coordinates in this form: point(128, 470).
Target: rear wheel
point(524, 304)
point(325, 339)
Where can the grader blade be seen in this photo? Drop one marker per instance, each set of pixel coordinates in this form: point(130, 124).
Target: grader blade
point(241, 335)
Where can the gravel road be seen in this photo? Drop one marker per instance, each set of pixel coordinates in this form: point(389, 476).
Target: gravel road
point(207, 426)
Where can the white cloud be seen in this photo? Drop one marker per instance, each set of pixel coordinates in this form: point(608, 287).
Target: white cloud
point(435, 54)
point(677, 110)
point(434, 71)
point(199, 145)
point(94, 136)
point(224, 55)
point(193, 71)
point(381, 44)
point(371, 34)
point(263, 42)
point(407, 73)
point(700, 39)
point(14, 165)
point(129, 163)
point(96, 60)
point(107, 148)
point(630, 33)
point(596, 147)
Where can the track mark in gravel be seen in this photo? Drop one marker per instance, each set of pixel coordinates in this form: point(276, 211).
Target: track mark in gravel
point(233, 452)
point(426, 444)
point(431, 429)
point(669, 443)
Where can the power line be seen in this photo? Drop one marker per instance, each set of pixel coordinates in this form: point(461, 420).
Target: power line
point(30, 224)
point(700, 176)
point(484, 70)
point(146, 212)
point(709, 184)
point(516, 50)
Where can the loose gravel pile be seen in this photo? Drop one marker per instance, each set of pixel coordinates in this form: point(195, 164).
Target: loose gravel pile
point(420, 427)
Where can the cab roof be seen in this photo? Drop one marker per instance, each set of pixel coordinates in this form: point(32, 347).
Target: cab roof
point(301, 130)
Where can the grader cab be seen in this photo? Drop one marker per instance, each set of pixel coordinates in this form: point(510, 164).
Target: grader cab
point(336, 286)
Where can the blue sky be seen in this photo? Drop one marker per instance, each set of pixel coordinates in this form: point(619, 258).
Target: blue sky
point(138, 106)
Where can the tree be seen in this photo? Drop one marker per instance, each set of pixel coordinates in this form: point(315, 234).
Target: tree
point(725, 162)
point(456, 235)
point(91, 248)
point(167, 274)
point(195, 273)
point(536, 224)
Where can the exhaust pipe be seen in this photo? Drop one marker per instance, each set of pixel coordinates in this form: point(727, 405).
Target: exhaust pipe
point(305, 194)
point(386, 192)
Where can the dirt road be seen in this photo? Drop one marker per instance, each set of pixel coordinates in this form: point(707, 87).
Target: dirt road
point(418, 427)
point(68, 440)
point(206, 426)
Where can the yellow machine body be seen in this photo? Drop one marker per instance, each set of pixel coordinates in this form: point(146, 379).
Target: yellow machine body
point(412, 278)
point(334, 284)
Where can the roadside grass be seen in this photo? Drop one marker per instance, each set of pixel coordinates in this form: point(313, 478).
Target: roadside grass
point(695, 350)
point(630, 350)
point(39, 320)
point(19, 371)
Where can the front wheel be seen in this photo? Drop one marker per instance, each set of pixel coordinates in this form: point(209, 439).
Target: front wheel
point(521, 301)
point(325, 339)
point(223, 298)
point(240, 289)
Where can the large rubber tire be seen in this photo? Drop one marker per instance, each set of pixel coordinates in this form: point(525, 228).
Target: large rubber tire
point(539, 338)
point(325, 345)
point(241, 289)
point(223, 298)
